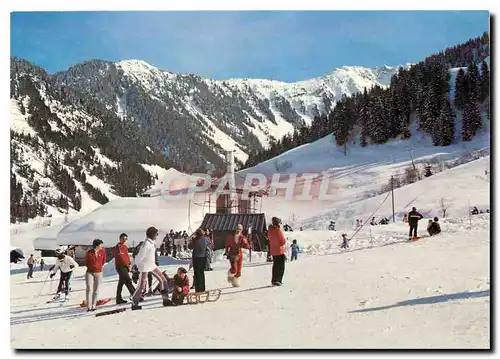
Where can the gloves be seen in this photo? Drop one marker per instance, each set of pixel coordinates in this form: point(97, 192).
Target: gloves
point(52, 275)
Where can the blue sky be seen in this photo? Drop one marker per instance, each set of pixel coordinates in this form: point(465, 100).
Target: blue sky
point(281, 45)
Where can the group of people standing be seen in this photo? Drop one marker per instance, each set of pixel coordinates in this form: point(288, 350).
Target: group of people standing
point(146, 261)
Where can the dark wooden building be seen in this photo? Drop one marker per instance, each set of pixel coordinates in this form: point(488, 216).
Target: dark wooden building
point(222, 225)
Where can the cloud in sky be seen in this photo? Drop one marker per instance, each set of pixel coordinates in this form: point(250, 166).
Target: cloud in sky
point(279, 45)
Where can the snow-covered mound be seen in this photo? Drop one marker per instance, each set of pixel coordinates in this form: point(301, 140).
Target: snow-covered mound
point(132, 216)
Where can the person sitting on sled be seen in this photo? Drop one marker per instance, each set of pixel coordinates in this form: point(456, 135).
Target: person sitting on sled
point(181, 286)
point(233, 250)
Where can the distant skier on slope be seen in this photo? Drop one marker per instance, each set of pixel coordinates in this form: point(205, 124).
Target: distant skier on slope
point(145, 261)
point(295, 250)
point(233, 251)
point(66, 264)
point(345, 241)
point(413, 218)
point(277, 242)
point(331, 226)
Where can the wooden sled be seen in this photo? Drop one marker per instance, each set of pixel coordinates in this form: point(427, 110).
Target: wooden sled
point(203, 297)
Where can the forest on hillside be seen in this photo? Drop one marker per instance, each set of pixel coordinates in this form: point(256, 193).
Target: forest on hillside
point(380, 114)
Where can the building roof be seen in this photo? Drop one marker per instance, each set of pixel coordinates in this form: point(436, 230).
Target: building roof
point(228, 222)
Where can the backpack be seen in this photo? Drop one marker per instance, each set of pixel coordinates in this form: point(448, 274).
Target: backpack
point(137, 249)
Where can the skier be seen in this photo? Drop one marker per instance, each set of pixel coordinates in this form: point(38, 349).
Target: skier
point(66, 264)
point(475, 211)
point(181, 286)
point(94, 261)
point(434, 228)
point(42, 263)
point(122, 266)
point(295, 250)
point(413, 218)
point(199, 246)
point(233, 251)
point(331, 226)
point(145, 261)
point(31, 263)
point(277, 243)
point(287, 228)
point(345, 241)
point(373, 222)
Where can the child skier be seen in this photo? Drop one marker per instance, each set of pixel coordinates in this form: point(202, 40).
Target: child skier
point(295, 250)
point(66, 264)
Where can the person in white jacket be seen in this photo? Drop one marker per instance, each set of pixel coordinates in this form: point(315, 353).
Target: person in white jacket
point(66, 264)
point(145, 262)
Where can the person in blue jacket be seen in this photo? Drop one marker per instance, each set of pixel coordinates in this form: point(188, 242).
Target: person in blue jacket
point(295, 249)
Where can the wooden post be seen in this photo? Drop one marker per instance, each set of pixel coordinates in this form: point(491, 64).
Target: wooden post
point(392, 190)
point(250, 241)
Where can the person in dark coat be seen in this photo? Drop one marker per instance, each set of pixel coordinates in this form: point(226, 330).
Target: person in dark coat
point(413, 218)
point(199, 246)
point(434, 227)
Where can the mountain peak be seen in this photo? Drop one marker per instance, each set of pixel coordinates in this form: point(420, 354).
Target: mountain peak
point(137, 65)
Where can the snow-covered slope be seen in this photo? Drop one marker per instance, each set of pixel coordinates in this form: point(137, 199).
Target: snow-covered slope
point(431, 294)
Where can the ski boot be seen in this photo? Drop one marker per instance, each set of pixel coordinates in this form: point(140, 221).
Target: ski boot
point(136, 306)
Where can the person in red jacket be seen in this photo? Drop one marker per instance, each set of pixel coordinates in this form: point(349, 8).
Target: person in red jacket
point(181, 286)
point(122, 266)
point(234, 244)
point(94, 261)
point(277, 242)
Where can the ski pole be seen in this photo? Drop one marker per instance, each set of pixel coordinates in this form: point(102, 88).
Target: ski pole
point(43, 284)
